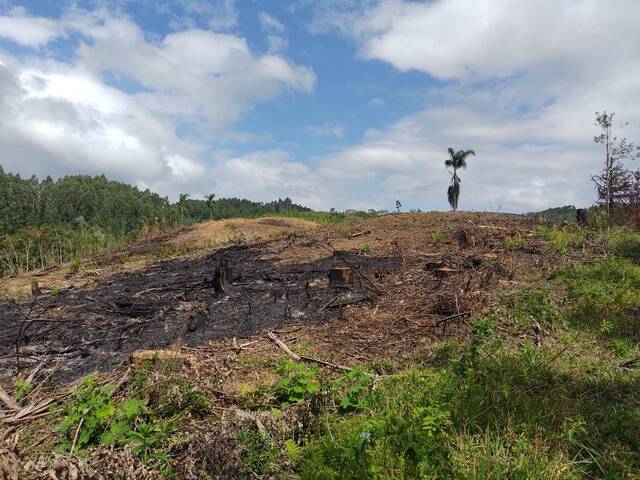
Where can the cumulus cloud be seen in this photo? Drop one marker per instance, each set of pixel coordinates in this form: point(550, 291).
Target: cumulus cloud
point(28, 31)
point(115, 107)
point(523, 79)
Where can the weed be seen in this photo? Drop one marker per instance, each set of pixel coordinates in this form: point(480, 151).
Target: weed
point(365, 248)
point(437, 237)
point(75, 266)
point(559, 239)
point(514, 242)
point(605, 296)
point(624, 243)
point(54, 292)
point(280, 233)
point(22, 389)
point(299, 382)
point(532, 304)
point(259, 454)
point(353, 386)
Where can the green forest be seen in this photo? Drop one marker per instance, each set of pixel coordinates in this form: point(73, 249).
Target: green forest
point(51, 221)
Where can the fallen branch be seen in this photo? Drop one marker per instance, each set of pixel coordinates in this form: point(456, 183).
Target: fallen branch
point(634, 362)
point(359, 234)
point(8, 400)
point(284, 347)
point(451, 317)
point(298, 358)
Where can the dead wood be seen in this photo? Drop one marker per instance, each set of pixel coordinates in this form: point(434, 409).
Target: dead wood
point(360, 234)
point(8, 400)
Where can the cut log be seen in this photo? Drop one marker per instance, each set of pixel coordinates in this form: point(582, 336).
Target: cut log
point(339, 276)
point(140, 356)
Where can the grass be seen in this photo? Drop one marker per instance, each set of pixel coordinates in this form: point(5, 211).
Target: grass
point(514, 242)
point(437, 237)
point(558, 239)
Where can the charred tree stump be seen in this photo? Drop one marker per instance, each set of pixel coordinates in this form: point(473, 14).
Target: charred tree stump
point(465, 239)
point(581, 217)
point(339, 277)
point(222, 278)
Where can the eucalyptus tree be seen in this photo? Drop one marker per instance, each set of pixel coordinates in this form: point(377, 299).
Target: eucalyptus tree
point(456, 161)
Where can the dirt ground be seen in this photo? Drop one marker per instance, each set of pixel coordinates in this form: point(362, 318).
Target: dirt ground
point(415, 278)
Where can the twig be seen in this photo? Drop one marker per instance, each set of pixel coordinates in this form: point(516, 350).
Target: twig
point(451, 317)
point(359, 234)
point(283, 346)
point(298, 358)
point(75, 437)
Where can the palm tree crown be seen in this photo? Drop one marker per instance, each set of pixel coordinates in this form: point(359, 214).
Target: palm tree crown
point(458, 159)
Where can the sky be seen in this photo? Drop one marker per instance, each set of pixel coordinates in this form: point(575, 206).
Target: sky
point(334, 103)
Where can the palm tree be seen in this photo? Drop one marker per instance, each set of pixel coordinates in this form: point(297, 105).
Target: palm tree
point(457, 160)
point(210, 203)
point(181, 202)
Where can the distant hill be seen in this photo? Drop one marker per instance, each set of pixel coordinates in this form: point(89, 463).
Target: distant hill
point(557, 214)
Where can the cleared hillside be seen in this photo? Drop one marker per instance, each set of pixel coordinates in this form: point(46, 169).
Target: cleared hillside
point(451, 345)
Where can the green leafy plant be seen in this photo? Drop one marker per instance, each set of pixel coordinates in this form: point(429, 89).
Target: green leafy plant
point(22, 389)
point(437, 237)
point(354, 387)
point(365, 248)
point(299, 382)
point(259, 454)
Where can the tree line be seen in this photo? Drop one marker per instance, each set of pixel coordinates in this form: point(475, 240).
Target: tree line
point(50, 221)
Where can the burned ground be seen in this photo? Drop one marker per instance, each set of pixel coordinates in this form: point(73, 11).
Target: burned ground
point(420, 278)
point(176, 303)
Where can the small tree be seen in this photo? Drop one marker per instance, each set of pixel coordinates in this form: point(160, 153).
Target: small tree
point(456, 161)
point(398, 206)
point(210, 203)
point(182, 204)
point(614, 181)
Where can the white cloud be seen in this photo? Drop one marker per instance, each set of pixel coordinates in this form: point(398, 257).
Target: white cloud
point(29, 31)
point(524, 80)
point(270, 23)
point(64, 117)
point(276, 38)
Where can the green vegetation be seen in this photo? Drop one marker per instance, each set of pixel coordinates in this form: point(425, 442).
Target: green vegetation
point(559, 239)
point(558, 214)
point(514, 242)
point(437, 237)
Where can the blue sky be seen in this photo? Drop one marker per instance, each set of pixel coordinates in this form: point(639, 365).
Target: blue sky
point(336, 103)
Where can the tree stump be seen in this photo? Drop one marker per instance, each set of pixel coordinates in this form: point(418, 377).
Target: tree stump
point(465, 239)
point(222, 277)
point(581, 217)
point(339, 276)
